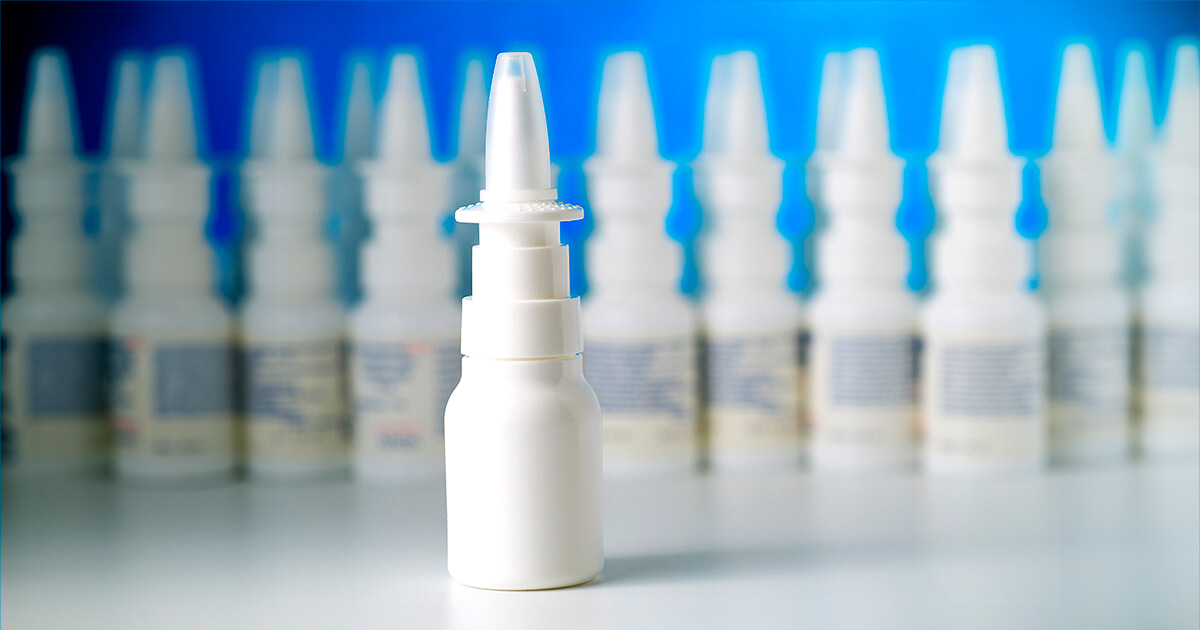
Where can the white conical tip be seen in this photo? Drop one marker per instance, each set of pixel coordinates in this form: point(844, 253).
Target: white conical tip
point(625, 127)
point(745, 125)
point(518, 149)
point(170, 132)
point(291, 129)
point(261, 108)
point(472, 113)
point(863, 131)
point(1181, 127)
point(360, 112)
point(49, 112)
point(974, 124)
point(125, 115)
point(715, 102)
point(829, 100)
point(403, 125)
point(1135, 112)
point(1078, 125)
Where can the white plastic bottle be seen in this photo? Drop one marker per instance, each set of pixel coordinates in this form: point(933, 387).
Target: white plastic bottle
point(983, 379)
point(752, 323)
point(345, 185)
point(862, 319)
point(641, 333)
point(404, 352)
point(523, 446)
point(53, 324)
point(171, 360)
point(124, 118)
point(292, 328)
point(1171, 299)
point(1086, 305)
point(468, 166)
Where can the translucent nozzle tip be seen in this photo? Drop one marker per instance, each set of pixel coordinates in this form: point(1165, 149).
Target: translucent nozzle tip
point(472, 113)
point(625, 127)
point(261, 108)
point(863, 131)
point(973, 120)
point(49, 112)
point(829, 99)
point(291, 129)
point(360, 112)
point(1181, 127)
point(518, 149)
point(715, 101)
point(1078, 125)
point(1135, 112)
point(170, 132)
point(745, 126)
point(403, 125)
point(125, 115)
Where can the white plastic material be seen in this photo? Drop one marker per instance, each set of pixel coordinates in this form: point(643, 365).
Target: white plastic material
point(752, 323)
point(404, 335)
point(1135, 137)
point(53, 325)
point(862, 320)
point(292, 327)
point(172, 359)
point(122, 141)
point(346, 187)
point(523, 445)
point(641, 334)
point(983, 368)
point(1088, 310)
point(468, 166)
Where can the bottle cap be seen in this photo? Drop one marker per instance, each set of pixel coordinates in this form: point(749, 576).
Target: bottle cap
point(1177, 157)
point(48, 177)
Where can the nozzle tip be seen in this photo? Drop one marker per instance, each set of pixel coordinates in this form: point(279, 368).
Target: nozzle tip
point(125, 106)
point(49, 111)
point(1181, 127)
point(404, 125)
point(170, 132)
point(625, 126)
point(518, 149)
point(974, 125)
point(864, 125)
point(292, 133)
point(1078, 125)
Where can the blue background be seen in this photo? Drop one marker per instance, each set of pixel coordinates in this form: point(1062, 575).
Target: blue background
point(569, 41)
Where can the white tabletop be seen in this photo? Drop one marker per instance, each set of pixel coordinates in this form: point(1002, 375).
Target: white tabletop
point(1115, 547)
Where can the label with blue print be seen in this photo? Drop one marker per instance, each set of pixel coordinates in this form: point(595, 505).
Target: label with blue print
point(753, 386)
point(1089, 383)
point(1171, 380)
point(295, 399)
point(863, 390)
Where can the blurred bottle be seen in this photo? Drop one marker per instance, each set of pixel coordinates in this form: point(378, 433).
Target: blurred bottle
point(124, 120)
point(292, 326)
point(172, 360)
point(753, 324)
point(468, 167)
point(641, 334)
point(1087, 307)
point(53, 324)
point(1171, 298)
point(346, 186)
point(984, 335)
point(404, 335)
point(862, 318)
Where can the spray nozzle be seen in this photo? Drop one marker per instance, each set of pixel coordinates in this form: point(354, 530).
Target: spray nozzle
point(735, 114)
point(1135, 115)
point(356, 141)
point(472, 113)
point(1181, 127)
point(625, 127)
point(260, 108)
point(829, 99)
point(973, 120)
point(1077, 118)
point(126, 107)
point(863, 129)
point(403, 126)
point(517, 146)
point(49, 112)
point(170, 132)
point(291, 127)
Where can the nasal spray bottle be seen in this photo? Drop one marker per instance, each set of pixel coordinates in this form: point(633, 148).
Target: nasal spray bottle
point(641, 334)
point(345, 186)
point(292, 327)
point(1171, 299)
point(1086, 305)
point(404, 357)
point(468, 167)
point(983, 384)
point(171, 359)
point(752, 322)
point(53, 324)
point(523, 462)
point(829, 96)
point(124, 118)
point(862, 318)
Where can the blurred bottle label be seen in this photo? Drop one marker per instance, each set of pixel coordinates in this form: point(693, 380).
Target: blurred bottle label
point(295, 399)
point(1171, 394)
point(985, 398)
point(400, 388)
point(172, 397)
point(53, 395)
point(1089, 384)
point(753, 391)
point(862, 390)
point(648, 393)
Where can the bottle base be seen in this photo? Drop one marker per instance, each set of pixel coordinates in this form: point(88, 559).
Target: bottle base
point(960, 467)
point(274, 472)
point(168, 474)
point(389, 471)
point(505, 581)
point(845, 461)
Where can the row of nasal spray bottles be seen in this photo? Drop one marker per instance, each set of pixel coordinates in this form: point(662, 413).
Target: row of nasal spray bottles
point(988, 344)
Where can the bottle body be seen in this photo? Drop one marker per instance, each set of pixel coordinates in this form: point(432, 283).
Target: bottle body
point(54, 411)
point(294, 387)
point(523, 475)
point(983, 382)
point(754, 378)
point(172, 365)
point(1170, 362)
point(1089, 373)
point(862, 368)
point(404, 362)
point(642, 360)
